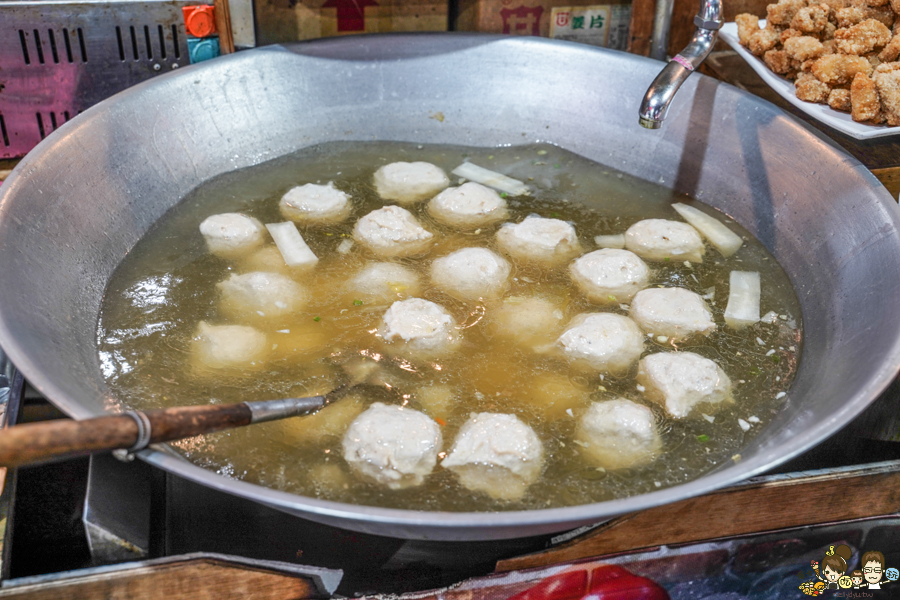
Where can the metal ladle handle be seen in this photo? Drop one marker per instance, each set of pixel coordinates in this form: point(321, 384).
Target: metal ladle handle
point(36, 443)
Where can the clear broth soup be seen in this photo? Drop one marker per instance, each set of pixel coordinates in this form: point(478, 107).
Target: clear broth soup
point(167, 285)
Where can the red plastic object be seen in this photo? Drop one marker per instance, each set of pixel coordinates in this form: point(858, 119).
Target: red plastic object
point(200, 21)
point(606, 582)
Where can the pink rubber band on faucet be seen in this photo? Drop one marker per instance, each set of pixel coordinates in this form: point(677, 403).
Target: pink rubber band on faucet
point(683, 62)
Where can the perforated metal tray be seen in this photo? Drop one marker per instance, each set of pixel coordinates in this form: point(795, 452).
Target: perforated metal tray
point(59, 58)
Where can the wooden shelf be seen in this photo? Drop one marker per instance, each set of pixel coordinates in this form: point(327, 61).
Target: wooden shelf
point(760, 505)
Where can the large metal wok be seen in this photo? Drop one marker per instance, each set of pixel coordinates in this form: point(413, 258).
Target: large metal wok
point(81, 200)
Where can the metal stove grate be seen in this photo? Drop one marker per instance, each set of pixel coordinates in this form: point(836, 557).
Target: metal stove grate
point(59, 58)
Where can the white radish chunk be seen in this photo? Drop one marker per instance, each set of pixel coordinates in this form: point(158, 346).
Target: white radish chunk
point(291, 245)
point(610, 241)
point(743, 299)
point(492, 179)
point(725, 240)
point(345, 246)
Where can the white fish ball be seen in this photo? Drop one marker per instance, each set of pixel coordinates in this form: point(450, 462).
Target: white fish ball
point(392, 231)
point(602, 342)
point(548, 242)
point(618, 433)
point(468, 206)
point(529, 322)
point(260, 295)
point(496, 454)
point(229, 346)
point(418, 329)
point(660, 239)
point(408, 182)
point(471, 274)
point(313, 203)
point(384, 282)
point(610, 276)
point(392, 445)
point(232, 235)
point(681, 380)
point(676, 313)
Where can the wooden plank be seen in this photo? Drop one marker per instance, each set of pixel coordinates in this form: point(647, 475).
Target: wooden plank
point(198, 579)
point(6, 167)
point(773, 504)
point(682, 28)
point(731, 8)
point(890, 177)
point(640, 31)
point(223, 24)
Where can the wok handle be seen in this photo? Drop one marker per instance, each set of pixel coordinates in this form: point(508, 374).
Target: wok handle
point(36, 443)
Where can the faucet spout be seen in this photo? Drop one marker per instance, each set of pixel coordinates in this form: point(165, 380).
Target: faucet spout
point(661, 92)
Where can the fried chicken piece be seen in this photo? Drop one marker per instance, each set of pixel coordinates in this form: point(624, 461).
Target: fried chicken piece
point(828, 32)
point(849, 16)
point(887, 83)
point(876, 3)
point(778, 61)
point(829, 47)
point(862, 38)
point(762, 41)
point(783, 12)
point(811, 19)
point(810, 89)
point(803, 48)
point(839, 69)
point(789, 33)
point(852, 15)
point(835, 4)
point(891, 51)
point(747, 25)
point(895, 4)
point(887, 68)
point(864, 101)
point(839, 99)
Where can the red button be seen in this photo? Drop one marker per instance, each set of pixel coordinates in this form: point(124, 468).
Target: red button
point(200, 21)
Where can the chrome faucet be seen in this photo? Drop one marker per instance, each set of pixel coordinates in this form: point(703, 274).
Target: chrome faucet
point(661, 92)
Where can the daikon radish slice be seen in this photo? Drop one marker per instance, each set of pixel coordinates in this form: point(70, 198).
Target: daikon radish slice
point(291, 245)
point(345, 246)
point(743, 299)
point(610, 241)
point(492, 179)
point(725, 240)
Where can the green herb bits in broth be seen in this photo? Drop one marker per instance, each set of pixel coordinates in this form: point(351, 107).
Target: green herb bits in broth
point(510, 324)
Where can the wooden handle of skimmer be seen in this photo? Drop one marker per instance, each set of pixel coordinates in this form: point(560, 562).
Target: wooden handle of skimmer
point(35, 443)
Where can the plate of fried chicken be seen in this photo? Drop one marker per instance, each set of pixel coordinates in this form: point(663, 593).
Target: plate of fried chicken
point(838, 61)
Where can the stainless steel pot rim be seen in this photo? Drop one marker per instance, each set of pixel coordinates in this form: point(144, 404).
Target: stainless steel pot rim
point(456, 524)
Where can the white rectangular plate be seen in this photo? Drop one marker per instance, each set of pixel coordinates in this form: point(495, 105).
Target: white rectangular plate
point(785, 88)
